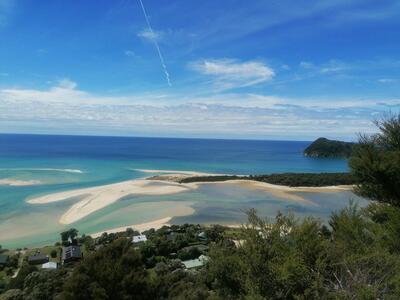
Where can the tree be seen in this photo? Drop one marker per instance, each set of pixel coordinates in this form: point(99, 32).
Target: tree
point(289, 259)
point(53, 253)
point(376, 163)
point(116, 271)
point(18, 281)
point(44, 284)
point(69, 236)
point(14, 294)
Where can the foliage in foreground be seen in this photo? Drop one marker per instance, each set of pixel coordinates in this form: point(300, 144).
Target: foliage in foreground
point(376, 163)
point(358, 258)
point(307, 261)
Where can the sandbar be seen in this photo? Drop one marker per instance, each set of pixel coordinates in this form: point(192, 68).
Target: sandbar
point(174, 172)
point(95, 198)
point(15, 182)
point(281, 191)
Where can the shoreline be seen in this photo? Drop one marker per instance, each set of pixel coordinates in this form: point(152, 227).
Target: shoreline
point(156, 224)
point(194, 173)
point(281, 191)
point(95, 198)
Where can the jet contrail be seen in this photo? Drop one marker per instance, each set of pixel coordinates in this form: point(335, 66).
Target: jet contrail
point(156, 44)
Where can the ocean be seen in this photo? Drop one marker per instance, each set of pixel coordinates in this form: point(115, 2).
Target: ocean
point(61, 163)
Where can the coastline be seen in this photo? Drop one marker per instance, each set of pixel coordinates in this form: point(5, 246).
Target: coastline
point(180, 172)
point(156, 224)
point(95, 198)
point(280, 191)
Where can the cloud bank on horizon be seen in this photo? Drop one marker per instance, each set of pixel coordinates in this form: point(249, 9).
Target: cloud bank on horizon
point(241, 70)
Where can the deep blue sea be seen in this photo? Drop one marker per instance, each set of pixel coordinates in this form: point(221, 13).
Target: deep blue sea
point(210, 155)
point(63, 163)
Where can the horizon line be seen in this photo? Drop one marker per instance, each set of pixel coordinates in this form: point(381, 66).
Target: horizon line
point(158, 137)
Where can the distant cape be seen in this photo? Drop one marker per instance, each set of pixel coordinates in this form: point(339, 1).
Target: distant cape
point(323, 147)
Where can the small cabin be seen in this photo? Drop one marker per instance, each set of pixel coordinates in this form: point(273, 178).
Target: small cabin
point(50, 265)
point(38, 259)
point(3, 260)
point(139, 238)
point(202, 236)
point(195, 263)
point(71, 254)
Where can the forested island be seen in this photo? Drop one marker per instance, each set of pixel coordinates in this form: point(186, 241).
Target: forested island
point(356, 255)
point(323, 147)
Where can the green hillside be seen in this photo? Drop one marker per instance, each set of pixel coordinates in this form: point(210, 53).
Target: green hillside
point(323, 147)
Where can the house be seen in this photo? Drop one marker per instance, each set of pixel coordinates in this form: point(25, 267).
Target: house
point(3, 260)
point(238, 243)
point(139, 238)
point(195, 263)
point(49, 265)
point(71, 254)
point(38, 259)
point(202, 236)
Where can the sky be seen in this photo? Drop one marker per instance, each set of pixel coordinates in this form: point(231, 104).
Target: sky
point(277, 69)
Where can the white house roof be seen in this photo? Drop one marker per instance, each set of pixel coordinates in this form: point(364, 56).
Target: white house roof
point(195, 263)
point(139, 238)
point(49, 265)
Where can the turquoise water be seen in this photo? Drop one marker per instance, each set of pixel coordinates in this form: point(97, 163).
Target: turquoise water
point(63, 163)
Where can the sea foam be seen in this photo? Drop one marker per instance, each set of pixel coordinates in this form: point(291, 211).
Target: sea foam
point(44, 169)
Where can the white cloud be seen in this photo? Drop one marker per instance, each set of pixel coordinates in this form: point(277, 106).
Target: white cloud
point(129, 53)
point(330, 67)
point(150, 35)
point(67, 109)
point(333, 66)
point(66, 83)
point(386, 80)
point(306, 65)
point(230, 73)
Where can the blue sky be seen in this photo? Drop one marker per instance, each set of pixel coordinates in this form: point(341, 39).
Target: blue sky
point(228, 69)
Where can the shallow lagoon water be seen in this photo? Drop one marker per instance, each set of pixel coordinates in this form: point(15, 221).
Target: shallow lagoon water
point(63, 163)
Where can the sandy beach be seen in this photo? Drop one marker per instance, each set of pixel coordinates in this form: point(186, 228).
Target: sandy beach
point(15, 182)
point(287, 192)
point(156, 224)
point(173, 172)
point(174, 175)
point(279, 191)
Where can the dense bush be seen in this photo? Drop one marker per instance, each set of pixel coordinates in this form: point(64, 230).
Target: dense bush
point(376, 163)
point(113, 272)
point(288, 179)
point(291, 260)
point(307, 179)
